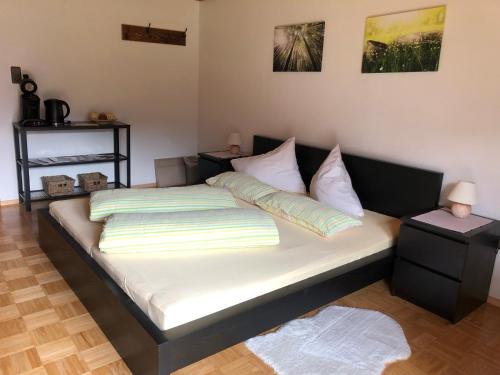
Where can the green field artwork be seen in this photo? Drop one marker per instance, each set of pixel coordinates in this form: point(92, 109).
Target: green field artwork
point(299, 48)
point(404, 42)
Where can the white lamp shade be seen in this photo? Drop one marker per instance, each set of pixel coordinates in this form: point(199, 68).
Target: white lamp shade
point(464, 192)
point(234, 139)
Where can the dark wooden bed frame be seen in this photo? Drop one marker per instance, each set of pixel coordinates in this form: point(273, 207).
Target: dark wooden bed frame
point(388, 188)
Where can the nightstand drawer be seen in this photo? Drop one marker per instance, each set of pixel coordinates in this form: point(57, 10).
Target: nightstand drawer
point(437, 253)
point(429, 290)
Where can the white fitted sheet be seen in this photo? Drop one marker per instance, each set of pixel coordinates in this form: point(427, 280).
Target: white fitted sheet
point(177, 288)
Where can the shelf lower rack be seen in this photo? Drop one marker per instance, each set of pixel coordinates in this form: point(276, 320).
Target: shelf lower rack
point(40, 195)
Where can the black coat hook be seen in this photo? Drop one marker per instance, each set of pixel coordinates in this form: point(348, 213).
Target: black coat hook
point(148, 28)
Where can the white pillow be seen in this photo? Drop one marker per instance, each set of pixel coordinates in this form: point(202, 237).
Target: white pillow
point(332, 185)
point(277, 168)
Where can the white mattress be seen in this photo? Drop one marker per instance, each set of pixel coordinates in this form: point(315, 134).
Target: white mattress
point(177, 288)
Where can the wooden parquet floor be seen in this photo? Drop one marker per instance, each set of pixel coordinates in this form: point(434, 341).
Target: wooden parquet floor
point(44, 329)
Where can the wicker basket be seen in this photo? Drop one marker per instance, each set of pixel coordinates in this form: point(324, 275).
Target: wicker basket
point(58, 185)
point(92, 181)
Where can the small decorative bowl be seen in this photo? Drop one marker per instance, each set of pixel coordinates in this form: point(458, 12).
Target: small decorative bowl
point(102, 118)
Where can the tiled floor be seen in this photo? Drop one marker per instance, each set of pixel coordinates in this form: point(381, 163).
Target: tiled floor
point(44, 329)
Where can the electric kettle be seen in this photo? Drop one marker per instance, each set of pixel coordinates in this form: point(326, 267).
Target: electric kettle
point(54, 112)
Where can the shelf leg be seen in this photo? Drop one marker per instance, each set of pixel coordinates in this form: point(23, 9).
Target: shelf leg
point(116, 142)
point(18, 166)
point(26, 171)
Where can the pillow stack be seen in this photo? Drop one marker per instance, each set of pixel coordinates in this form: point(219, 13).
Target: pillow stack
point(269, 180)
point(180, 218)
point(297, 208)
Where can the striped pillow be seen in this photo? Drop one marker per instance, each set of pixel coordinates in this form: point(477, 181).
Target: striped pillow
point(188, 198)
point(307, 212)
point(178, 231)
point(242, 186)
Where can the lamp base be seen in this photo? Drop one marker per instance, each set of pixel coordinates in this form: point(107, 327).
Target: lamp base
point(461, 210)
point(235, 149)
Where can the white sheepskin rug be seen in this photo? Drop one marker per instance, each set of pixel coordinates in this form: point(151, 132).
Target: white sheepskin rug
point(338, 340)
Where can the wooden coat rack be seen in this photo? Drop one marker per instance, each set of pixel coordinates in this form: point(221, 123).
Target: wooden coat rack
point(150, 34)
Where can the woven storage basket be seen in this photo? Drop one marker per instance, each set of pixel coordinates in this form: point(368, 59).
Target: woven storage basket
point(92, 181)
point(58, 185)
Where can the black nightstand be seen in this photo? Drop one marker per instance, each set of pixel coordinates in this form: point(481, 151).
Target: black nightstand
point(443, 271)
point(209, 166)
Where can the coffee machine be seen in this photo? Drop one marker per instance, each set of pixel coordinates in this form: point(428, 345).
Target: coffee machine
point(30, 102)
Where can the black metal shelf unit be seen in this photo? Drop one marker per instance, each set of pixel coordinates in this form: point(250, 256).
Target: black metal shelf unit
point(24, 164)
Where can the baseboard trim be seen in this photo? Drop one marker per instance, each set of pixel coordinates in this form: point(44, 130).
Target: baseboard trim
point(494, 301)
point(144, 186)
point(13, 202)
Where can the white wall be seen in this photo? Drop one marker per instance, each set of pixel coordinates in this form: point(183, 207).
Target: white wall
point(73, 49)
point(448, 121)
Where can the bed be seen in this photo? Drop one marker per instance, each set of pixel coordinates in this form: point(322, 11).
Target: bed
point(181, 310)
point(178, 288)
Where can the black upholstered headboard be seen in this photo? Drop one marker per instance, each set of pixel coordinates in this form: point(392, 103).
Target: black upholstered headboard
point(389, 188)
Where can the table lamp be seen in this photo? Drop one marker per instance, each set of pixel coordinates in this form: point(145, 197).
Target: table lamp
point(463, 196)
point(234, 142)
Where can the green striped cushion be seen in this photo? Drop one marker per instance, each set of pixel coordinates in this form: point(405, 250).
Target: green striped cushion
point(178, 231)
point(242, 186)
point(188, 198)
point(307, 212)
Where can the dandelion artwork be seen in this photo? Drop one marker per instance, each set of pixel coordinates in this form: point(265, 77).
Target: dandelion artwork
point(404, 42)
point(299, 48)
